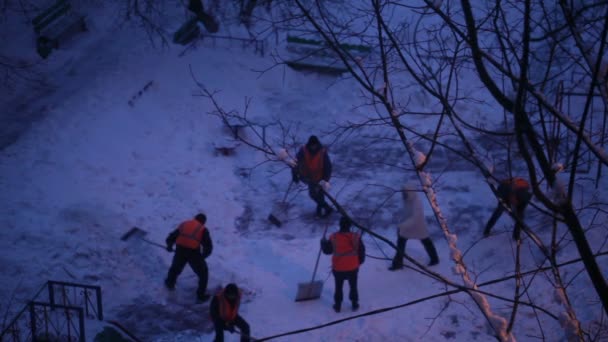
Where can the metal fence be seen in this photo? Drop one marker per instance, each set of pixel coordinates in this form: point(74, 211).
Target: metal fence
point(57, 314)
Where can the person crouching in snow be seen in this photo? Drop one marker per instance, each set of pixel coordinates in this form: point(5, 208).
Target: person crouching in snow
point(313, 167)
point(515, 194)
point(348, 254)
point(413, 227)
point(224, 311)
point(189, 237)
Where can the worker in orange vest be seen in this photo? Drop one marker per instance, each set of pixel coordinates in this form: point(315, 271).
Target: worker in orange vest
point(224, 311)
point(348, 254)
point(515, 194)
point(189, 237)
point(314, 169)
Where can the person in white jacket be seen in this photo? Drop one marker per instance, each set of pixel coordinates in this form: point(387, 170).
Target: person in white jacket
point(413, 227)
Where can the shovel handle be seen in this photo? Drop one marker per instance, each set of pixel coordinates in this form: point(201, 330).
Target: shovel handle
point(318, 257)
point(155, 243)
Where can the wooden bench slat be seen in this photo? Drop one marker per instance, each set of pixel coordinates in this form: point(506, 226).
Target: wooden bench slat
point(55, 24)
point(37, 19)
point(308, 53)
point(50, 17)
point(64, 23)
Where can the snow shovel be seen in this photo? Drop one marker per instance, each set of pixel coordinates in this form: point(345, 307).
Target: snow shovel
point(140, 234)
point(312, 290)
point(281, 208)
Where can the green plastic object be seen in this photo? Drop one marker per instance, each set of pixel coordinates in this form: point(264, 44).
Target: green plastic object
point(352, 47)
point(323, 69)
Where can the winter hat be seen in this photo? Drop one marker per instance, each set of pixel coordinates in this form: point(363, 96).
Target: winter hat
point(231, 291)
point(201, 218)
point(313, 140)
point(345, 223)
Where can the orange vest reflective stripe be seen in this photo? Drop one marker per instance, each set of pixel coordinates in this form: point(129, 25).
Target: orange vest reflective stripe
point(190, 234)
point(520, 184)
point(312, 168)
point(228, 313)
point(346, 251)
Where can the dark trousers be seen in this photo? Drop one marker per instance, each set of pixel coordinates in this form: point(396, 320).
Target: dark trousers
point(351, 277)
point(239, 322)
point(316, 194)
point(194, 258)
point(429, 247)
point(519, 213)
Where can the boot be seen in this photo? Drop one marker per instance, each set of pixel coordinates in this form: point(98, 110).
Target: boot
point(398, 259)
point(396, 265)
point(431, 251)
point(337, 307)
point(355, 306)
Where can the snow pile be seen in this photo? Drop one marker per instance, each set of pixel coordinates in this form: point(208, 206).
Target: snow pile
point(284, 156)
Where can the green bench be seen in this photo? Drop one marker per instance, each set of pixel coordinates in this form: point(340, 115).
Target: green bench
point(190, 29)
point(55, 25)
point(187, 32)
point(316, 55)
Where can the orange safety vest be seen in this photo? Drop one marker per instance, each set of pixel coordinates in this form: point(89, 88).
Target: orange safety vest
point(518, 187)
point(346, 251)
point(190, 234)
point(312, 168)
point(519, 183)
point(228, 312)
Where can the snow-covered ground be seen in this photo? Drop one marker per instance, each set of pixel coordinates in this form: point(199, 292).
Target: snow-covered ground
point(91, 166)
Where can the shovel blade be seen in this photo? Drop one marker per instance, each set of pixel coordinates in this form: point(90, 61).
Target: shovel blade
point(309, 291)
point(133, 232)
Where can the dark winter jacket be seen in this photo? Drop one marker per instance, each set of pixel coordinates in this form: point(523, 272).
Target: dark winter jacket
point(327, 166)
point(206, 243)
point(328, 248)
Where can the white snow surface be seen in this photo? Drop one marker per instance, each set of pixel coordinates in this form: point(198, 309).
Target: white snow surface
point(91, 166)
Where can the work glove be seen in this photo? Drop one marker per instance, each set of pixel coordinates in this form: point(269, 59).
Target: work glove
point(325, 185)
point(294, 175)
point(169, 248)
point(230, 328)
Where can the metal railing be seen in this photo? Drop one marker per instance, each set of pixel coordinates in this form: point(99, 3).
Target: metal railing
point(79, 295)
point(56, 322)
point(60, 317)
